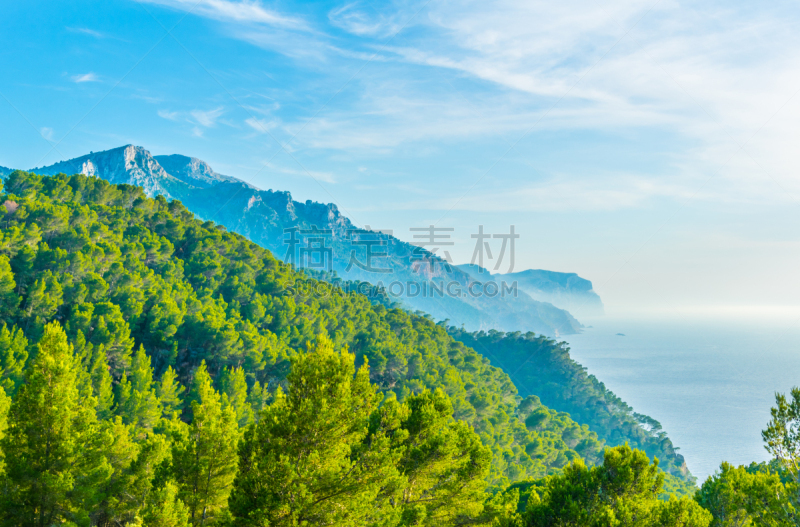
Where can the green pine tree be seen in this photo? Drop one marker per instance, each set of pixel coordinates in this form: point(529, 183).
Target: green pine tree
point(753, 495)
point(43, 300)
point(204, 453)
point(257, 398)
point(13, 355)
point(137, 402)
point(115, 505)
point(623, 492)
point(306, 461)
point(443, 461)
point(233, 384)
point(133, 462)
point(84, 353)
point(102, 384)
point(50, 460)
point(165, 509)
point(169, 393)
point(124, 405)
point(9, 299)
point(5, 405)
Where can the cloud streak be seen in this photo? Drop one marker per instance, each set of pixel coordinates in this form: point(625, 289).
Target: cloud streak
point(244, 12)
point(325, 177)
point(261, 126)
point(207, 118)
point(87, 31)
point(85, 77)
point(168, 115)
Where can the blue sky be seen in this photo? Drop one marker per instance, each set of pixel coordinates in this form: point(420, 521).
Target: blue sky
point(649, 146)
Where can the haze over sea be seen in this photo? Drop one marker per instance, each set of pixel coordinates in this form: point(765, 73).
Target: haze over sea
point(710, 382)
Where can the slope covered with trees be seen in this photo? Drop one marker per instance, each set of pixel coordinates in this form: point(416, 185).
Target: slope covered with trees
point(159, 371)
point(146, 294)
point(543, 367)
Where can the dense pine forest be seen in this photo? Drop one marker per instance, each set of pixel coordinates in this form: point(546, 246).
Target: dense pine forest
point(158, 370)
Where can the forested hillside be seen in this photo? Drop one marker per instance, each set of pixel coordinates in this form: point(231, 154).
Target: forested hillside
point(122, 272)
point(159, 371)
point(543, 367)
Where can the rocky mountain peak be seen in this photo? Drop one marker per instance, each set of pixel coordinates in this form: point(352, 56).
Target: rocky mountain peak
point(128, 164)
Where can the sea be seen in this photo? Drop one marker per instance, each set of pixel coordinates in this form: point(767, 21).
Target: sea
point(709, 381)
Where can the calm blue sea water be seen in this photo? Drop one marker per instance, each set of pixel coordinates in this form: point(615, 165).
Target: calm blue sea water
point(710, 383)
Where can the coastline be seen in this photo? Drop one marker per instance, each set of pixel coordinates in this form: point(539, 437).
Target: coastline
point(688, 375)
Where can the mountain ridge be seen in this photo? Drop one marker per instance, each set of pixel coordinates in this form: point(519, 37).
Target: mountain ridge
point(272, 218)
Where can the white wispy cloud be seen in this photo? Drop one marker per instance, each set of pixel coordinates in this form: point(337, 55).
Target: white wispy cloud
point(146, 98)
point(87, 31)
point(247, 12)
point(253, 22)
point(168, 115)
point(85, 77)
point(362, 19)
point(198, 120)
point(326, 177)
point(207, 118)
point(261, 125)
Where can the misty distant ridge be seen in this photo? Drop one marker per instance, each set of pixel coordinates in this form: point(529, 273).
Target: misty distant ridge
point(542, 304)
point(565, 290)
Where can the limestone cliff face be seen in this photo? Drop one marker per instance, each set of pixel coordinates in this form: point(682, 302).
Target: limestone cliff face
point(264, 215)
